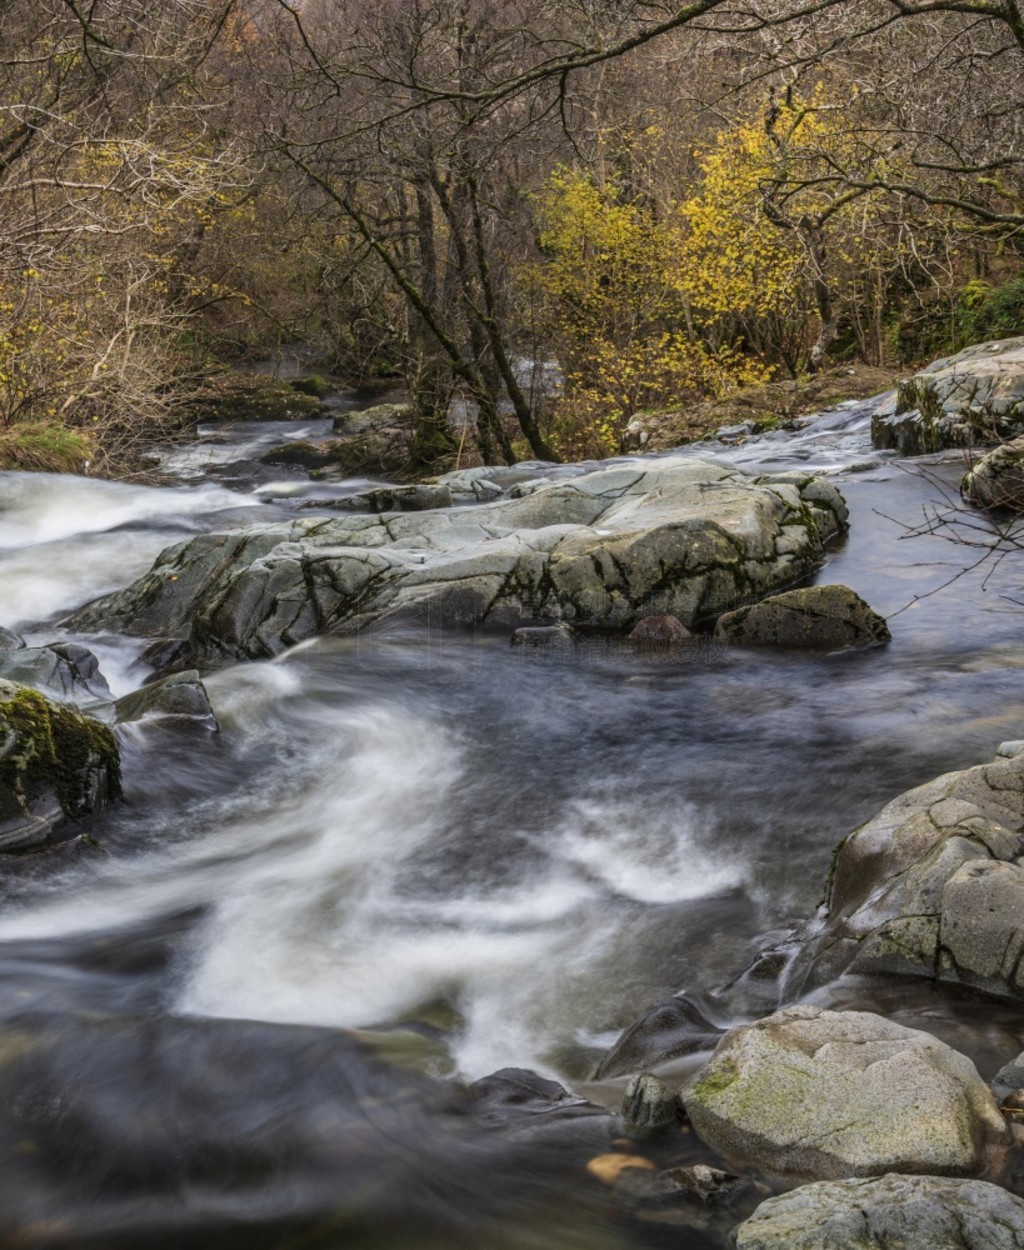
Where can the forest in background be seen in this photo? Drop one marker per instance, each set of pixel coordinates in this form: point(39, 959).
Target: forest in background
point(655, 204)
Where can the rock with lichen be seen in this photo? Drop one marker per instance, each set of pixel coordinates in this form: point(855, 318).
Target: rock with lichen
point(813, 1094)
point(57, 766)
point(827, 618)
point(911, 1212)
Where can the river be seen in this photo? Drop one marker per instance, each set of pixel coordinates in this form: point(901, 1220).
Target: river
point(448, 853)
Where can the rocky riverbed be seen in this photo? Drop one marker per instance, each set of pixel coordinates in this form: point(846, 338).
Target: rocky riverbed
point(403, 935)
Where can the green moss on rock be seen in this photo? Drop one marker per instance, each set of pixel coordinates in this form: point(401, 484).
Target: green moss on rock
point(48, 750)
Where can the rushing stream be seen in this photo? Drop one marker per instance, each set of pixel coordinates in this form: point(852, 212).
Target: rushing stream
point(447, 853)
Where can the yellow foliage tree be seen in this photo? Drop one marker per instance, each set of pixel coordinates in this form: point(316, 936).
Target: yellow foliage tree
point(619, 313)
point(784, 230)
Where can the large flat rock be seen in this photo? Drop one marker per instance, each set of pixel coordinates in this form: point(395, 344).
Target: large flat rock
point(678, 537)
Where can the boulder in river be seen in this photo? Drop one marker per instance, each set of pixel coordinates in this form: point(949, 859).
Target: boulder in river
point(677, 537)
point(997, 479)
point(973, 397)
point(814, 1094)
point(180, 699)
point(251, 397)
point(303, 453)
point(379, 417)
point(908, 1212)
point(830, 618)
point(56, 766)
point(933, 886)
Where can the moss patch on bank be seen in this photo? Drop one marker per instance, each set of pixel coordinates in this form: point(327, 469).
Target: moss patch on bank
point(41, 448)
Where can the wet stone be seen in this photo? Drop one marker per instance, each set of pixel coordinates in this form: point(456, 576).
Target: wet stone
point(669, 1030)
point(176, 700)
point(648, 1105)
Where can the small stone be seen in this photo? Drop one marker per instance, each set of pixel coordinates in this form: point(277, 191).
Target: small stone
point(659, 631)
point(543, 636)
point(648, 1104)
point(607, 1168)
point(1010, 750)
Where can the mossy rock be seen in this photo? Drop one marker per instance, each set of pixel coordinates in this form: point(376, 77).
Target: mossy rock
point(304, 454)
point(313, 384)
point(56, 766)
point(828, 618)
point(238, 397)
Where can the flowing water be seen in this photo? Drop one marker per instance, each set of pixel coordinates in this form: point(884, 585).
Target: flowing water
point(447, 854)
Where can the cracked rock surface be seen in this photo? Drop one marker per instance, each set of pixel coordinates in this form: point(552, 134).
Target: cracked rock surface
point(975, 396)
point(679, 537)
point(911, 1212)
point(815, 1094)
point(932, 886)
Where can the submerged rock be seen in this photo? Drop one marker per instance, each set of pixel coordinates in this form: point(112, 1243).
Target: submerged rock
point(904, 1212)
point(520, 1102)
point(543, 636)
point(677, 537)
point(698, 1197)
point(308, 455)
point(975, 396)
point(9, 641)
point(815, 1094)
point(830, 618)
point(933, 886)
point(56, 766)
point(997, 480)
